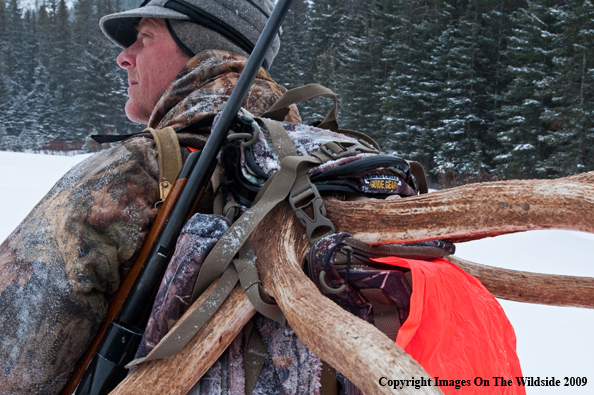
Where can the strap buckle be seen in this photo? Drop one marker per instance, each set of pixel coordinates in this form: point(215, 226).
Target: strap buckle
point(342, 149)
point(308, 197)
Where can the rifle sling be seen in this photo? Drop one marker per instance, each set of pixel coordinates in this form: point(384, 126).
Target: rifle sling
point(170, 162)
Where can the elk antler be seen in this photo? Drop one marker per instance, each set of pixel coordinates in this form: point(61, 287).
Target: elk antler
point(471, 212)
point(328, 330)
point(529, 287)
point(354, 347)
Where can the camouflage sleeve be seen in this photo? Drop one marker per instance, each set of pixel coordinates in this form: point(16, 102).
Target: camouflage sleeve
point(59, 268)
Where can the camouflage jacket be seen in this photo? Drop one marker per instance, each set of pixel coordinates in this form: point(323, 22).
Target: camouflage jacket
point(62, 264)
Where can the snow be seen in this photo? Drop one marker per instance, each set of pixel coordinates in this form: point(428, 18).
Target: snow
point(552, 341)
point(27, 178)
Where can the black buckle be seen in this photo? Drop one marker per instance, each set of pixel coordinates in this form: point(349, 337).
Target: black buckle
point(308, 196)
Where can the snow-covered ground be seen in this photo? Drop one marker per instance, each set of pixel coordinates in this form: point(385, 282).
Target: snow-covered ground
point(552, 341)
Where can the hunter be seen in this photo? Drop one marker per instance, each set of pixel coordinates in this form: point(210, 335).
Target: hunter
point(63, 263)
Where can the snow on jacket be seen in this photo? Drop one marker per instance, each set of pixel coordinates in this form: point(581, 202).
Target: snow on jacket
point(62, 264)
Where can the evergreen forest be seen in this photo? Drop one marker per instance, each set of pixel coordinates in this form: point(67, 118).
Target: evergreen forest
point(473, 89)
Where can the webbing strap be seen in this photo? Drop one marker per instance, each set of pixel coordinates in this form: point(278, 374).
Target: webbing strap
point(169, 157)
point(242, 269)
point(304, 197)
point(278, 189)
point(250, 283)
point(385, 313)
point(280, 109)
point(283, 146)
point(254, 356)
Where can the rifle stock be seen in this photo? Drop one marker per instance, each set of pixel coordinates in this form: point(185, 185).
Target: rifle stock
point(131, 307)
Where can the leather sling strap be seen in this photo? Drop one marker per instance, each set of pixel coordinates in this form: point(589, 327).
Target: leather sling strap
point(169, 157)
point(417, 170)
point(280, 109)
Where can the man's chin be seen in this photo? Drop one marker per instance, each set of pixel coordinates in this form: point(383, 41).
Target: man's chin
point(136, 114)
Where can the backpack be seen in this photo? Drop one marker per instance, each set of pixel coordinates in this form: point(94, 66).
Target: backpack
point(352, 163)
point(265, 161)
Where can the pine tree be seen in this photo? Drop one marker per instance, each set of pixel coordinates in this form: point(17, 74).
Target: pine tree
point(41, 126)
point(465, 61)
point(100, 83)
point(327, 32)
point(533, 46)
point(17, 76)
point(361, 71)
point(571, 119)
point(3, 76)
point(408, 36)
point(292, 67)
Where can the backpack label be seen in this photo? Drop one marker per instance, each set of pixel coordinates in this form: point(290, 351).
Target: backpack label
point(383, 182)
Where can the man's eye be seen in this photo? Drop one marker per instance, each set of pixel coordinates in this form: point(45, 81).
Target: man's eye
point(143, 34)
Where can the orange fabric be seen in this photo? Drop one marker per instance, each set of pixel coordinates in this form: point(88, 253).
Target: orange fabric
point(457, 330)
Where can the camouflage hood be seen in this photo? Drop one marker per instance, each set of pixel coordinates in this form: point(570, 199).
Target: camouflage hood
point(205, 83)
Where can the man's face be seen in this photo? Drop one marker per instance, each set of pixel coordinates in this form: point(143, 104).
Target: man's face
point(152, 62)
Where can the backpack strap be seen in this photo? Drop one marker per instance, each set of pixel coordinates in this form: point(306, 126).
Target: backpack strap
point(385, 314)
point(254, 356)
point(243, 270)
point(280, 109)
point(169, 157)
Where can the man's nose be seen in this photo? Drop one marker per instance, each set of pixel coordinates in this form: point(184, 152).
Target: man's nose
point(127, 58)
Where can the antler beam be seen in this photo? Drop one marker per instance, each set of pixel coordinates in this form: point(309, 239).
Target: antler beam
point(549, 289)
point(471, 212)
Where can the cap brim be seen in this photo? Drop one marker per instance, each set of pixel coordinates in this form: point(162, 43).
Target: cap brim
point(121, 27)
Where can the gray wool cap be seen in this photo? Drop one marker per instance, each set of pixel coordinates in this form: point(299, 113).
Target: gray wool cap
point(198, 25)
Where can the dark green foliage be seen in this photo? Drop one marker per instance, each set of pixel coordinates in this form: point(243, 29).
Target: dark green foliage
point(59, 81)
point(474, 89)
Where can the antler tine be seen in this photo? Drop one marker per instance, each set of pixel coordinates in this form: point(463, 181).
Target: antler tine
point(471, 212)
point(549, 289)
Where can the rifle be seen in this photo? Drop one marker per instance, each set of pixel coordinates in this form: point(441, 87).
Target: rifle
point(102, 366)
